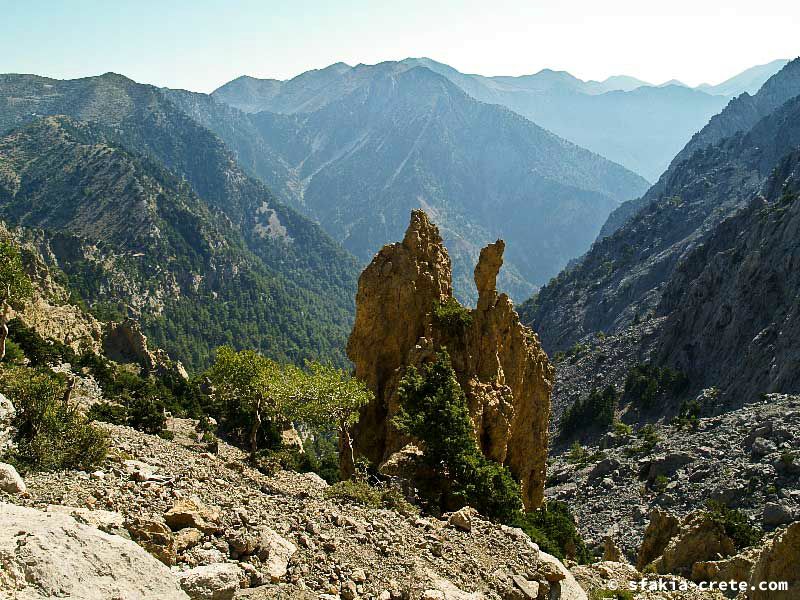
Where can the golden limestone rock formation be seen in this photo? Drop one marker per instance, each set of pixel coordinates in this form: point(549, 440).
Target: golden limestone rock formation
point(499, 362)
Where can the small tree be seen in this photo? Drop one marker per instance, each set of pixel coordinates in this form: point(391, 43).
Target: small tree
point(250, 389)
point(330, 395)
point(52, 433)
point(434, 410)
point(15, 288)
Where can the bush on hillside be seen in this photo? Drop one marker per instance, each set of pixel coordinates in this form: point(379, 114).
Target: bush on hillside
point(434, 410)
point(735, 523)
point(52, 434)
point(451, 316)
point(648, 385)
point(553, 528)
point(358, 491)
point(596, 411)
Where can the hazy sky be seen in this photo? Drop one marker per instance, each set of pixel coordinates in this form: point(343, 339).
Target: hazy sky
point(201, 44)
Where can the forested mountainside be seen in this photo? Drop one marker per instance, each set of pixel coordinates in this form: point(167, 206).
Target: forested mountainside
point(701, 276)
point(142, 119)
point(390, 138)
point(279, 267)
point(633, 123)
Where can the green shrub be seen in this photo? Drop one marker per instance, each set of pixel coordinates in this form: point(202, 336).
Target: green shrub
point(596, 411)
point(146, 413)
point(434, 410)
point(14, 354)
point(574, 353)
point(552, 527)
point(323, 456)
point(120, 382)
point(40, 352)
point(660, 483)
point(648, 439)
point(622, 429)
point(283, 458)
point(358, 491)
point(51, 434)
point(735, 523)
point(688, 415)
point(116, 414)
point(646, 385)
point(451, 316)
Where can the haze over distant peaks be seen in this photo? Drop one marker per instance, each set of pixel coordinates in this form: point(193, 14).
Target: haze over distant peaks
point(629, 121)
point(384, 139)
point(748, 81)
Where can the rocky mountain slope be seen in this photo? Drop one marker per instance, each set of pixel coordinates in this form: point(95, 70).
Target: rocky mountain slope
point(731, 308)
point(746, 459)
point(213, 515)
point(137, 136)
point(385, 139)
point(741, 114)
point(622, 278)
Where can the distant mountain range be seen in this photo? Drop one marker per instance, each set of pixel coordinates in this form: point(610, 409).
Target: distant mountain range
point(358, 148)
point(632, 122)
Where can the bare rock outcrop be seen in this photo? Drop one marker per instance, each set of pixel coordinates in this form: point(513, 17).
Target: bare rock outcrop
point(47, 555)
point(126, 343)
point(499, 363)
point(778, 561)
point(662, 528)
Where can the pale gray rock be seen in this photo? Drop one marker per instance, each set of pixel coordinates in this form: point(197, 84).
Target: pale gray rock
point(762, 447)
point(211, 582)
point(563, 584)
point(10, 480)
point(48, 555)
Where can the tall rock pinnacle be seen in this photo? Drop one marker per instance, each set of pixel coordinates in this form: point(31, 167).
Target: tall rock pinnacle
point(499, 362)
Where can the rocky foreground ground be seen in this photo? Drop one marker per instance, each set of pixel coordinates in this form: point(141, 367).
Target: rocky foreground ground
point(221, 530)
point(747, 459)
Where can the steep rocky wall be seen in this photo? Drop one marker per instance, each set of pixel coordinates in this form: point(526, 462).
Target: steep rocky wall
point(733, 318)
point(499, 362)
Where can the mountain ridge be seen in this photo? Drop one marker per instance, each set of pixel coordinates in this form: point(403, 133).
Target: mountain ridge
point(278, 242)
point(432, 146)
point(641, 127)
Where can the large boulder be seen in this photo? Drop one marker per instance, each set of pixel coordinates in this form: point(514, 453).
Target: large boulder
point(662, 528)
point(699, 539)
point(51, 555)
point(667, 464)
point(211, 582)
point(779, 561)
point(191, 512)
point(499, 362)
point(154, 536)
point(10, 480)
point(563, 586)
point(274, 552)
